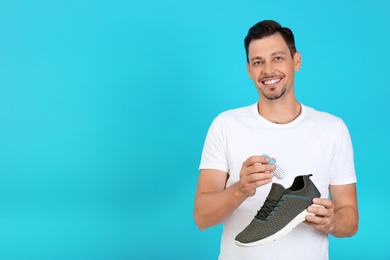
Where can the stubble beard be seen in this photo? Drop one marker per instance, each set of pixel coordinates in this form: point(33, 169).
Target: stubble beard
point(274, 95)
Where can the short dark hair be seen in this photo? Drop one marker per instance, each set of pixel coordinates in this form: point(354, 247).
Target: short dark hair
point(267, 28)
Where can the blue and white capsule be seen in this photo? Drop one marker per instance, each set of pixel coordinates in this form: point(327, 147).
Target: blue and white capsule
point(278, 172)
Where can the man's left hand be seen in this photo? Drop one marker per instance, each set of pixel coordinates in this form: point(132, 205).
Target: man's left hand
point(323, 210)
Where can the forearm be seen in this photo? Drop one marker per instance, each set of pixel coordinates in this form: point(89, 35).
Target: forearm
point(346, 215)
point(212, 208)
point(345, 222)
point(214, 202)
point(339, 216)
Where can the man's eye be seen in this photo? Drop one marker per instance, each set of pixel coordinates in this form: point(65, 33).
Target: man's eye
point(256, 63)
point(278, 58)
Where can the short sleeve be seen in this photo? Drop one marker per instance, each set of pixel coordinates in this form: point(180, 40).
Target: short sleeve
point(214, 149)
point(343, 167)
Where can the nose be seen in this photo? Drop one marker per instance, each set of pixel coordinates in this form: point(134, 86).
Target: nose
point(267, 68)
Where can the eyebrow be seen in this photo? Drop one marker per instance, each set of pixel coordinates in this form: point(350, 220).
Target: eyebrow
point(273, 55)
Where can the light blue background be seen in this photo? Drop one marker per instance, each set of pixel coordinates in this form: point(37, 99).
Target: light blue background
point(104, 106)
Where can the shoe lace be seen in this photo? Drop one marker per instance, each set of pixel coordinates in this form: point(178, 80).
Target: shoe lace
point(268, 206)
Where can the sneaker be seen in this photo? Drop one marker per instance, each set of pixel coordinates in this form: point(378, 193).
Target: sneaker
point(282, 211)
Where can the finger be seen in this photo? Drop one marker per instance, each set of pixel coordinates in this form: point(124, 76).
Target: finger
point(255, 160)
point(257, 168)
point(320, 211)
point(323, 202)
point(257, 180)
point(316, 221)
point(312, 219)
point(316, 209)
point(262, 182)
point(260, 177)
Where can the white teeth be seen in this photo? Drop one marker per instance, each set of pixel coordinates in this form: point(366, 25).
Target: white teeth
point(272, 81)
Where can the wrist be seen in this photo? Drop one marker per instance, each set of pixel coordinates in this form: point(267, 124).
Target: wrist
point(240, 192)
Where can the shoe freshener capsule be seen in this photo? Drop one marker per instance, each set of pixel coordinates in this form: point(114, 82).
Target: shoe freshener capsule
point(279, 173)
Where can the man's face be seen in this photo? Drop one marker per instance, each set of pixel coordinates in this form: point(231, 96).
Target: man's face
point(271, 66)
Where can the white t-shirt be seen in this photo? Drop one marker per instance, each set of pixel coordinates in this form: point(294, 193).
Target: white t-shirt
point(314, 143)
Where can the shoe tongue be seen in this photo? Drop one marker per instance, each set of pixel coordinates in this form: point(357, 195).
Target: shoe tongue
point(276, 191)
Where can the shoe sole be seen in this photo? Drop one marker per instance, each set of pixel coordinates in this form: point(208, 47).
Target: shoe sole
point(281, 233)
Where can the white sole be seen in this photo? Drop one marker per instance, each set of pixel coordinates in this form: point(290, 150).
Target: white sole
point(281, 233)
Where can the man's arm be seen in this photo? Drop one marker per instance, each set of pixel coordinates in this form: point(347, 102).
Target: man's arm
point(214, 203)
point(339, 216)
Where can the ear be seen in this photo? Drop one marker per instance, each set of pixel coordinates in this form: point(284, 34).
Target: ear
point(248, 70)
point(297, 61)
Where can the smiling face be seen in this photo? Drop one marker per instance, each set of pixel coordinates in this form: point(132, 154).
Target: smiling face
point(272, 66)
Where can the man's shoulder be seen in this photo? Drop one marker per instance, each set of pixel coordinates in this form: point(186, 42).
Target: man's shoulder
point(238, 112)
point(235, 116)
point(321, 116)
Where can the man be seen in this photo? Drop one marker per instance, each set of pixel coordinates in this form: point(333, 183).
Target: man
point(235, 179)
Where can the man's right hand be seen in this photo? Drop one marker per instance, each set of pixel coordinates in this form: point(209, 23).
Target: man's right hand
point(255, 172)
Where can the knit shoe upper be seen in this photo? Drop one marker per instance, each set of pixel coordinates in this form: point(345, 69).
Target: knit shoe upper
point(282, 211)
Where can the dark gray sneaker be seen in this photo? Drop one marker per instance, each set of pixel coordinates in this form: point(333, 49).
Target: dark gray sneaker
point(282, 211)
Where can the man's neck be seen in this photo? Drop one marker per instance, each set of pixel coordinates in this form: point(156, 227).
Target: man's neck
point(279, 113)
